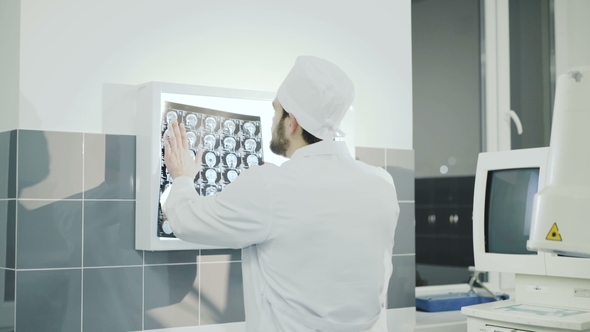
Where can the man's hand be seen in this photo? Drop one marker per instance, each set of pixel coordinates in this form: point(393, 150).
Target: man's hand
point(177, 155)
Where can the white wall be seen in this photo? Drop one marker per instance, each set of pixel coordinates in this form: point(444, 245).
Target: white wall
point(9, 59)
point(70, 48)
point(572, 45)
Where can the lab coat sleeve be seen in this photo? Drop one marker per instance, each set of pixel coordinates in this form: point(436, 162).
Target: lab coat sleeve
point(237, 217)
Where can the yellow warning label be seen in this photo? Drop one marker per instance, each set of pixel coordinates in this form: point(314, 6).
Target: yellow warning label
point(553, 234)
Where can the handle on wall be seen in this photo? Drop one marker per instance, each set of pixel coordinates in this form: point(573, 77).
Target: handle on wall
point(516, 120)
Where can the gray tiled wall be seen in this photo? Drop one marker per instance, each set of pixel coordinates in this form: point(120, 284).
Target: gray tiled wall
point(8, 164)
point(7, 228)
point(49, 165)
point(48, 300)
point(67, 260)
point(49, 234)
point(400, 165)
point(115, 293)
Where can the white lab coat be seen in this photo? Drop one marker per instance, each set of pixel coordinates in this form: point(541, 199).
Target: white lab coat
point(317, 234)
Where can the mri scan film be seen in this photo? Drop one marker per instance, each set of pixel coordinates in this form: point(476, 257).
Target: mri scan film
point(231, 142)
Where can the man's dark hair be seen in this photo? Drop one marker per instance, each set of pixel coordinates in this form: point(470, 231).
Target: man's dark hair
point(307, 137)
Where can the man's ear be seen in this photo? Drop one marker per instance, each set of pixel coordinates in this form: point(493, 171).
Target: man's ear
point(293, 124)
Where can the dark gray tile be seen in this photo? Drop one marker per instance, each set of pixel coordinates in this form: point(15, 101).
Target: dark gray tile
point(109, 166)
point(49, 234)
point(171, 297)
point(109, 234)
point(112, 299)
point(220, 255)
point(405, 232)
point(402, 285)
point(7, 284)
point(371, 156)
point(49, 164)
point(222, 293)
point(7, 233)
point(171, 257)
point(400, 164)
point(8, 164)
point(49, 300)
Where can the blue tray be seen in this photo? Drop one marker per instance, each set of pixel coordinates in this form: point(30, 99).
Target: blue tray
point(452, 301)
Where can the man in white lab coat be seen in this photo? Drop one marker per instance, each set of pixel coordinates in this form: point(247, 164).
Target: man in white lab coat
point(317, 232)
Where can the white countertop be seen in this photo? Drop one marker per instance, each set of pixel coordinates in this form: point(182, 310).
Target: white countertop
point(446, 321)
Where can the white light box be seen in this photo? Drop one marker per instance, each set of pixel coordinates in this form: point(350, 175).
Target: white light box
point(234, 128)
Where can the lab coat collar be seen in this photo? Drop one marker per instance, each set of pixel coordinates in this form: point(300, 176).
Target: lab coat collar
point(321, 148)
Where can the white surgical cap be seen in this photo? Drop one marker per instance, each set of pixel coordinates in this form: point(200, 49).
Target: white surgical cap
point(318, 94)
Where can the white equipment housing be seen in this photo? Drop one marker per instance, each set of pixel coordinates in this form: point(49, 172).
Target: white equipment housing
point(552, 287)
point(561, 217)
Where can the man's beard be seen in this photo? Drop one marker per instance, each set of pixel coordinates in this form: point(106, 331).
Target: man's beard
point(279, 143)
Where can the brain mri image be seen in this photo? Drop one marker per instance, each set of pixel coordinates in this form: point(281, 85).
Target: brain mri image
point(252, 159)
point(229, 144)
point(166, 227)
point(211, 175)
point(227, 149)
point(210, 123)
point(210, 159)
point(209, 142)
point(229, 126)
point(191, 121)
point(210, 190)
point(250, 129)
point(232, 175)
point(192, 139)
point(171, 116)
point(231, 160)
point(250, 145)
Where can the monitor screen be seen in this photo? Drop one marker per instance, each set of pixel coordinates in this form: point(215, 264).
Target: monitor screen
point(508, 209)
point(505, 186)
